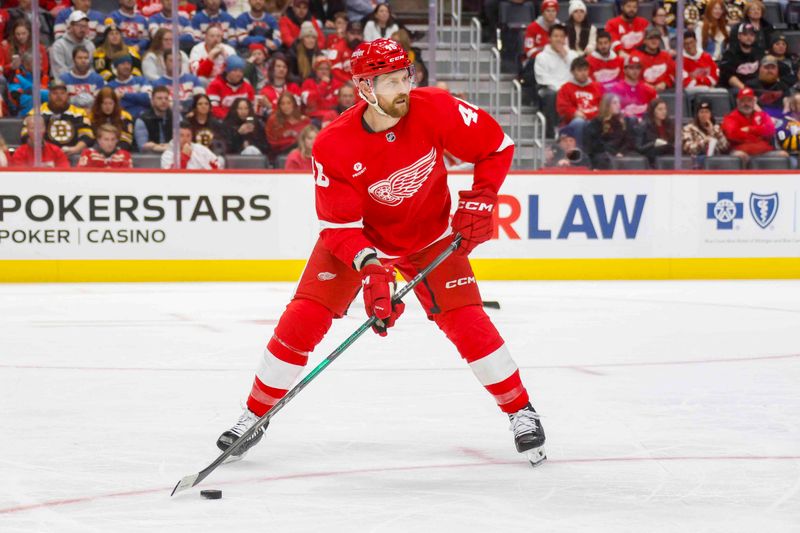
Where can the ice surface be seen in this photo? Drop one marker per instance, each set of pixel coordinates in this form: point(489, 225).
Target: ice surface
point(669, 406)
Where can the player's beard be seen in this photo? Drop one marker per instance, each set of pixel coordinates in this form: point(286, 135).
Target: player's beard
point(398, 107)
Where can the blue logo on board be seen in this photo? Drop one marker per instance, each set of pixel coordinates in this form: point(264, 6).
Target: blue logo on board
point(764, 207)
point(725, 210)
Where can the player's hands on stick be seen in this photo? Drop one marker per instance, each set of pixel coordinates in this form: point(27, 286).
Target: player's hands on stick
point(473, 218)
point(378, 284)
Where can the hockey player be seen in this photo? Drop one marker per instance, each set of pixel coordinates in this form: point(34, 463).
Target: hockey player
point(383, 204)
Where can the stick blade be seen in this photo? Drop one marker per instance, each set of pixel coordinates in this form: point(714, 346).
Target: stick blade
point(186, 483)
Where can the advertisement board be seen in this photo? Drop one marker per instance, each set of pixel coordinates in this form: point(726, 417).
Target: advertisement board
point(69, 226)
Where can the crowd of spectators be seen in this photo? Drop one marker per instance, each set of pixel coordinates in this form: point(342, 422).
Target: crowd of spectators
point(256, 77)
point(609, 87)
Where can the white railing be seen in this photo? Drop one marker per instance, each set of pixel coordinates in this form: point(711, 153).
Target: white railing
point(539, 140)
point(494, 77)
point(516, 119)
point(474, 70)
point(455, 28)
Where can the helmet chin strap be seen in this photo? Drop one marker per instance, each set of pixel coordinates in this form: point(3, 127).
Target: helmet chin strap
point(374, 105)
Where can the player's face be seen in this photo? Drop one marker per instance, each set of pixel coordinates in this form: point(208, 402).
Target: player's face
point(107, 107)
point(392, 91)
point(107, 142)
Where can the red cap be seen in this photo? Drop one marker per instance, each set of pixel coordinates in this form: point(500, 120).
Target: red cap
point(380, 56)
point(633, 60)
point(550, 3)
point(747, 92)
point(258, 46)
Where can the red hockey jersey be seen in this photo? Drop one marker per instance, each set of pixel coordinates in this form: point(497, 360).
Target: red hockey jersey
point(633, 98)
point(536, 38)
point(95, 159)
point(222, 94)
point(626, 36)
point(605, 70)
point(700, 70)
point(657, 68)
point(572, 98)
point(388, 189)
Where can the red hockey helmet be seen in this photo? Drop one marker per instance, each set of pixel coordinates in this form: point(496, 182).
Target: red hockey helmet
point(380, 56)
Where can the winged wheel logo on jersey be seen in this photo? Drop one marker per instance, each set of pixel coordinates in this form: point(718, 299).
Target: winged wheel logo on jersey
point(405, 182)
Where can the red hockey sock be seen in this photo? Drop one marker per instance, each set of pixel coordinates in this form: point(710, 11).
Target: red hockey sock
point(479, 343)
point(299, 330)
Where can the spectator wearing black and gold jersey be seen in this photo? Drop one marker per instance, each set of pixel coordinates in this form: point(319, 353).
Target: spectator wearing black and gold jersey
point(66, 126)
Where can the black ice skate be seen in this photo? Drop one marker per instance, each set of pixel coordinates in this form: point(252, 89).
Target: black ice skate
point(246, 421)
point(528, 434)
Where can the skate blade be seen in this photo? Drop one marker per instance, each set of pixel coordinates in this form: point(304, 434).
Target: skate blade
point(536, 456)
point(233, 458)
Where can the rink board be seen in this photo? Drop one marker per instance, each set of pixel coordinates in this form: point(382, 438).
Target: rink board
point(240, 226)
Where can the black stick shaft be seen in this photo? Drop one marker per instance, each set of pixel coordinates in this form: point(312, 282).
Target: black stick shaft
point(192, 480)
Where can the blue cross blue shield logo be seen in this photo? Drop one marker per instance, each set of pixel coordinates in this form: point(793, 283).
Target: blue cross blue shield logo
point(725, 211)
point(764, 207)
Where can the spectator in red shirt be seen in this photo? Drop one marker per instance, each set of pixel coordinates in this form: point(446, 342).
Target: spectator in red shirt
point(340, 55)
point(229, 86)
point(284, 125)
point(537, 34)
point(106, 152)
point(578, 100)
point(750, 131)
point(52, 155)
point(634, 94)
point(605, 65)
point(699, 69)
point(290, 23)
point(320, 92)
point(658, 68)
point(340, 25)
point(280, 82)
point(627, 30)
point(300, 157)
point(20, 40)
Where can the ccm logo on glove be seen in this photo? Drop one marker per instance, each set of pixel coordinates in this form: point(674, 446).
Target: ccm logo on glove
point(475, 206)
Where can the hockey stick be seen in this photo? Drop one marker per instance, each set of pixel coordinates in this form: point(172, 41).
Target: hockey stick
point(192, 480)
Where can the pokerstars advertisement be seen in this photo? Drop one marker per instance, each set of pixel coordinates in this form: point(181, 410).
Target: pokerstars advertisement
point(153, 215)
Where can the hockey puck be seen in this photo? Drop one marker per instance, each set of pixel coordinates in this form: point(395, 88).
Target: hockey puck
point(211, 494)
point(491, 304)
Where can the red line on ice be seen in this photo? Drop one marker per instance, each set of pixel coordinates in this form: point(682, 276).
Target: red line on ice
point(579, 367)
point(334, 473)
